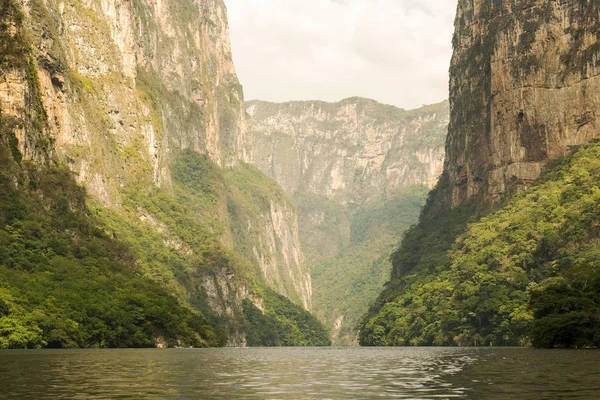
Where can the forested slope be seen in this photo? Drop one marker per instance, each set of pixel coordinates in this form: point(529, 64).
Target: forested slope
point(527, 273)
point(345, 285)
point(65, 282)
point(523, 83)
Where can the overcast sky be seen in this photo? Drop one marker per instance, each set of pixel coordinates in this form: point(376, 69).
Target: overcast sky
point(394, 51)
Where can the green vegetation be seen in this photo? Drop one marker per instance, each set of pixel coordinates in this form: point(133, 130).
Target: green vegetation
point(528, 273)
point(333, 231)
point(16, 55)
point(14, 50)
point(65, 283)
point(174, 235)
point(282, 324)
point(251, 199)
point(204, 208)
point(346, 284)
point(253, 187)
point(161, 266)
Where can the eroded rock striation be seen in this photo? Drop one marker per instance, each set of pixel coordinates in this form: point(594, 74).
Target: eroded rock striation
point(514, 63)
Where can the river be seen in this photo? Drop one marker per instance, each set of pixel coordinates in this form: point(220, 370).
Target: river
point(301, 373)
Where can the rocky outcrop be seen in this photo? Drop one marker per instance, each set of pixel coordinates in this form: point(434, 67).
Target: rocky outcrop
point(278, 254)
point(130, 82)
point(352, 151)
point(513, 63)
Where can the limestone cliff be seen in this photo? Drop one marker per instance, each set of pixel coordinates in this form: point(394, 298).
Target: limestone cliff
point(137, 79)
point(120, 91)
point(352, 151)
point(337, 157)
point(513, 63)
point(264, 226)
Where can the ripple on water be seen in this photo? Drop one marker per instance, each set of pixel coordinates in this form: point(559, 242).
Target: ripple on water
point(336, 373)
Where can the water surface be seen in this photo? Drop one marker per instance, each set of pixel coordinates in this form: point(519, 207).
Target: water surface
point(301, 373)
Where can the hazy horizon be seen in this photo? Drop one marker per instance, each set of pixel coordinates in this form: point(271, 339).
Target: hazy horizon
point(250, 100)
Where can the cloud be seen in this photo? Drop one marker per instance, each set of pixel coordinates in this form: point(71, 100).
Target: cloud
point(394, 51)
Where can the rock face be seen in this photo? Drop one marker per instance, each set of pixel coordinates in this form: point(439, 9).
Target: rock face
point(283, 264)
point(513, 63)
point(125, 88)
point(352, 151)
point(148, 76)
point(524, 83)
point(264, 223)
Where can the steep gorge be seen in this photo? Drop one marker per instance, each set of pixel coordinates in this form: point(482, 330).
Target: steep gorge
point(140, 100)
point(358, 171)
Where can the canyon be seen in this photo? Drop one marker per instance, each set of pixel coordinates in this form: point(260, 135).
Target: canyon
point(359, 172)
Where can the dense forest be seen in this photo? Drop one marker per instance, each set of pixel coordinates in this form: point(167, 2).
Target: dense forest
point(64, 282)
point(147, 265)
point(282, 323)
point(345, 285)
point(528, 273)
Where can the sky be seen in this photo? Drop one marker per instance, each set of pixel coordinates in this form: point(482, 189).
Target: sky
point(394, 51)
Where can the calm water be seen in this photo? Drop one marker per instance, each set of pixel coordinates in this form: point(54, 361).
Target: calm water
point(335, 373)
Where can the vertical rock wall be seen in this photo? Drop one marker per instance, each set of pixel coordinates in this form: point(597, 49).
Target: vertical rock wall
point(514, 62)
point(125, 87)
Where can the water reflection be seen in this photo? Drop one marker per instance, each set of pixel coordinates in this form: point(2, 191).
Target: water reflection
point(336, 373)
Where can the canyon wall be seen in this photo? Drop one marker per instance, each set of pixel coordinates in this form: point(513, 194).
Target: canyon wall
point(524, 81)
point(120, 91)
point(513, 63)
point(352, 151)
point(358, 171)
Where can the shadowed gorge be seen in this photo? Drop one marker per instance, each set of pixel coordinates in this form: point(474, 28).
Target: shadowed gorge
point(358, 171)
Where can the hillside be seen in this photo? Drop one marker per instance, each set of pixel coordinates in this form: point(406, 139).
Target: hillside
point(138, 107)
point(528, 273)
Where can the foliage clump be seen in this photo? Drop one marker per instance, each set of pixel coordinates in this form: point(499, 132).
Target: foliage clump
point(283, 323)
point(65, 283)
